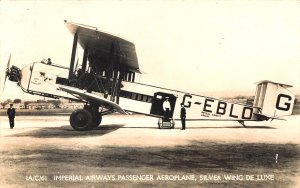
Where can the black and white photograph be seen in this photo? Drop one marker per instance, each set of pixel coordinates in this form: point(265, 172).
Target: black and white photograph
point(150, 93)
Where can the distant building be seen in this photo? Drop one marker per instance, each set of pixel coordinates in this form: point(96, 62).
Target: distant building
point(15, 105)
point(72, 105)
point(246, 100)
point(36, 105)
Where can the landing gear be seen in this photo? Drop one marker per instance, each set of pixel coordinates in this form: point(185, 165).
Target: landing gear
point(97, 118)
point(165, 123)
point(81, 120)
point(86, 119)
point(159, 123)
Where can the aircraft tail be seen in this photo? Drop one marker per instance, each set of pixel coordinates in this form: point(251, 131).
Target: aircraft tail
point(273, 100)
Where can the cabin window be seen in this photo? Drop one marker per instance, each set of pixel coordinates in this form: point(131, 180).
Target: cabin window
point(122, 93)
point(136, 96)
point(149, 99)
point(144, 98)
point(139, 97)
point(133, 96)
point(125, 94)
point(128, 94)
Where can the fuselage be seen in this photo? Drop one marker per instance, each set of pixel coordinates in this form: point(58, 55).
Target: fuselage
point(40, 78)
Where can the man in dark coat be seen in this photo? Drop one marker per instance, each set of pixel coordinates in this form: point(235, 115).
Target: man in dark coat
point(11, 112)
point(182, 116)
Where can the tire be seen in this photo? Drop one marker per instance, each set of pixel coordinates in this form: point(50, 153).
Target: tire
point(172, 122)
point(81, 120)
point(97, 118)
point(159, 123)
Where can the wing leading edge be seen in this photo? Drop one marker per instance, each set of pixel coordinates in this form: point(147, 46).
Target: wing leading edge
point(92, 97)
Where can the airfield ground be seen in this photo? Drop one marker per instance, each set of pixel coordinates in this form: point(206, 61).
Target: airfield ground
point(266, 154)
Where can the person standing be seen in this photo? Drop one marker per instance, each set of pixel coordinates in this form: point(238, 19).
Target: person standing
point(182, 116)
point(11, 112)
point(49, 62)
point(167, 108)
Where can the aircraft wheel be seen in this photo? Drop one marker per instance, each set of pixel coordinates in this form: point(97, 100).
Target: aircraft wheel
point(159, 123)
point(81, 120)
point(172, 122)
point(97, 120)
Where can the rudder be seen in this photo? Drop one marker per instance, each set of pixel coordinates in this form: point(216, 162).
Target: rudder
point(273, 99)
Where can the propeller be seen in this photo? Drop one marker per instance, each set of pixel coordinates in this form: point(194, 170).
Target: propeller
point(7, 70)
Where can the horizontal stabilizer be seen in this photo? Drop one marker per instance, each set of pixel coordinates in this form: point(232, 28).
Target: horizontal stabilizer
point(276, 83)
point(266, 117)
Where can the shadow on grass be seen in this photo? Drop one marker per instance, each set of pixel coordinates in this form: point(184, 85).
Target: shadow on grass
point(68, 132)
point(233, 127)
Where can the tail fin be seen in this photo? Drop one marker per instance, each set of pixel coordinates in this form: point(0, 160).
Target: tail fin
point(273, 99)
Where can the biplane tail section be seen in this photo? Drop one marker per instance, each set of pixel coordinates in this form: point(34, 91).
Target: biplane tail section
point(273, 100)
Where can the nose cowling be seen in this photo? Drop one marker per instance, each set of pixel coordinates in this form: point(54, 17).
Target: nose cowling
point(14, 74)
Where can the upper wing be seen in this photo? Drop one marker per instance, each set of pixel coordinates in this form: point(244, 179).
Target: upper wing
point(104, 44)
point(92, 97)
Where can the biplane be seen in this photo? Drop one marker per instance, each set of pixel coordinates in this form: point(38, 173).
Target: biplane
point(105, 83)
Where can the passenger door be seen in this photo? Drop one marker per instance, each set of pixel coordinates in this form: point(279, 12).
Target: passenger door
point(157, 103)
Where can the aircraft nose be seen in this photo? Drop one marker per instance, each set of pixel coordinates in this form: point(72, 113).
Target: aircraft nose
point(14, 74)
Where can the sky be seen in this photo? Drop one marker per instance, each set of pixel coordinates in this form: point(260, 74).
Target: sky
point(202, 47)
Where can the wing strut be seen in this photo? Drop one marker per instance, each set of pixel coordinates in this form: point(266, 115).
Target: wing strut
point(71, 71)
